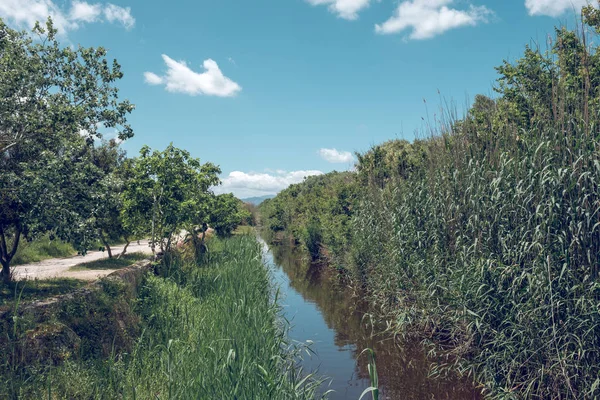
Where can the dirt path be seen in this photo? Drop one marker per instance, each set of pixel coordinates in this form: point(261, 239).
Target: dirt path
point(59, 267)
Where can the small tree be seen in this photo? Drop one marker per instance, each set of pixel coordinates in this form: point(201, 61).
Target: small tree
point(167, 192)
point(107, 220)
point(228, 213)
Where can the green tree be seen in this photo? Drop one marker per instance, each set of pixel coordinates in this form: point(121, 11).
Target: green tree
point(228, 212)
point(53, 102)
point(167, 192)
point(107, 220)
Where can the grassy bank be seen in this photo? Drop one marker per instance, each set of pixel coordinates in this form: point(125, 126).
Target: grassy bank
point(206, 331)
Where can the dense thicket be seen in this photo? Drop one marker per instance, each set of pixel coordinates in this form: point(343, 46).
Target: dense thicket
point(487, 235)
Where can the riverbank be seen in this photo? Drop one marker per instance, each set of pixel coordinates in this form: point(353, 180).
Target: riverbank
point(203, 331)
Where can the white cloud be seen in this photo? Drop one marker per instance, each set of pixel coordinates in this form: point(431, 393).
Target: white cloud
point(248, 184)
point(81, 11)
point(25, 13)
point(335, 156)
point(119, 14)
point(152, 78)
point(181, 79)
point(554, 8)
point(428, 18)
point(346, 9)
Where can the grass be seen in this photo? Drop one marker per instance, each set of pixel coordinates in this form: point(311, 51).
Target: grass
point(110, 263)
point(243, 230)
point(209, 331)
point(41, 249)
point(36, 289)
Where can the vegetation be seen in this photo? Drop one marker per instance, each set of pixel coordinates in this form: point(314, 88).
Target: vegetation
point(203, 326)
point(41, 249)
point(228, 212)
point(166, 192)
point(36, 290)
point(316, 213)
point(209, 331)
point(53, 101)
point(484, 237)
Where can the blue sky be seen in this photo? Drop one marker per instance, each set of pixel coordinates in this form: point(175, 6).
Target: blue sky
point(268, 89)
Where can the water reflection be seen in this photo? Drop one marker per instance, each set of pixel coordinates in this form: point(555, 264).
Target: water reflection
point(323, 311)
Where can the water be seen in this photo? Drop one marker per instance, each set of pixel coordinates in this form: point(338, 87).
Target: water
point(327, 314)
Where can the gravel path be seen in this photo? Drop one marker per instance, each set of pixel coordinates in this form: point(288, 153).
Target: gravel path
point(59, 267)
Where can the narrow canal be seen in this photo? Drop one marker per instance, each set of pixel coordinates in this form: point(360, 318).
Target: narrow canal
point(325, 313)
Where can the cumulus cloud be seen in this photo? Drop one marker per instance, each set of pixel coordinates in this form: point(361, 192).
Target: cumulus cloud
point(122, 15)
point(554, 8)
point(180, 78)
point(335, 156)
point(81, 11)
point(248, 184)
point(346, 9)
point(152, 78)
point(429, 18)
point(25, 13)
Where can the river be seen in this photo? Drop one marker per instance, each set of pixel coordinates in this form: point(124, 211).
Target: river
point(327, 314)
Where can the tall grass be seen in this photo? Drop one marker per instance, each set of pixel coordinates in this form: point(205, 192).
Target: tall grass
point(495, 250)
point(210, 331)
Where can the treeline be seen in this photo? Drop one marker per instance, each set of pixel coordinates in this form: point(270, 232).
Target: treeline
point(486, 236)
point(62, 172)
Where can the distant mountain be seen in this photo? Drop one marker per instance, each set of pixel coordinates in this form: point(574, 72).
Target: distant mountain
point(257, 200)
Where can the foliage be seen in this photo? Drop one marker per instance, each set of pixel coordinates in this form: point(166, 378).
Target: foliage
point(317, 210)
point(227, 213)
point(106, 220)
point(166, 192)
point(486, 236)
point(53, 101)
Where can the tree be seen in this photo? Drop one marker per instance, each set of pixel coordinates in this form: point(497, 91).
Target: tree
point(53, 102)
point(107, 220)
point(166, 192)
point(228, 212)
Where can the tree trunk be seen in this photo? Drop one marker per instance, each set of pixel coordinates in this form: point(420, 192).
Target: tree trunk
point(153, 242)
point(168, 245)
point(6, 277)
point(125, 248)
point(7, 255)
point(202, 245)
point(106, 245)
